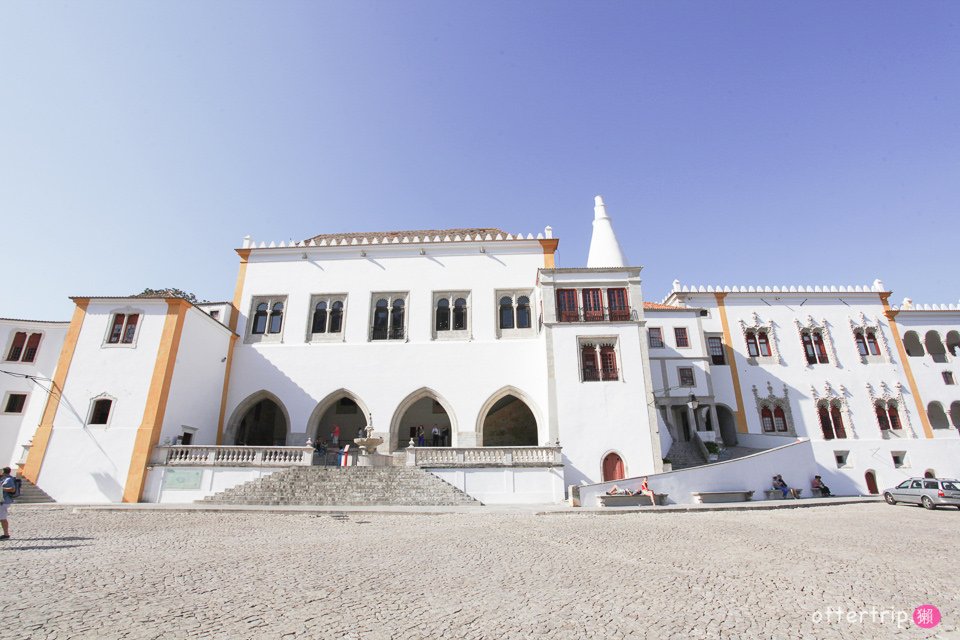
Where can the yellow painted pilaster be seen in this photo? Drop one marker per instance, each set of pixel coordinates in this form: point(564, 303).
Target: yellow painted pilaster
point(234, 320)
point(905, 360)
point(549, 249)
point(741, 414)
point(148, 434)
point(41, 438)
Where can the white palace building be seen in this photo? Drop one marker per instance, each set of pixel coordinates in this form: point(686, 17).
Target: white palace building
point(536, 377)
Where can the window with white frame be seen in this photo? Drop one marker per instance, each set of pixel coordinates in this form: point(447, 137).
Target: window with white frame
point(101, 409)
point(687, 379)
point(451, 310)
point(514, 313)
point(123, 329)
point(655, 336)
point(266, 319)
point(681, 337)
point(14, 403)
point(24, 346)
point(598, 360)
point(774, 410)
point(760, 341)
point(388, 316)
point(326, 317)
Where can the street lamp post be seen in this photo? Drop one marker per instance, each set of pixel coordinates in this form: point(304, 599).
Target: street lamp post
point(693, 403)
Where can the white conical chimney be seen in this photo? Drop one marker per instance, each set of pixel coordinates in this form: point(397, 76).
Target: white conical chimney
point(605, 251)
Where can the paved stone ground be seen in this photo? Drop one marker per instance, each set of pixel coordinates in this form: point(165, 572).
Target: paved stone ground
point(764, 574)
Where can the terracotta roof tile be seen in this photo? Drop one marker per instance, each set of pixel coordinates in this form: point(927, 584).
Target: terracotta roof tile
point(654, 306)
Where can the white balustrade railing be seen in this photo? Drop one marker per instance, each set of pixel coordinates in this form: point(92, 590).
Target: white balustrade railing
point(197, 455)
point(484, 456)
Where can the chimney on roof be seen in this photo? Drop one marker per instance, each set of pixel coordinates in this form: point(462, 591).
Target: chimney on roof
point(605, 251)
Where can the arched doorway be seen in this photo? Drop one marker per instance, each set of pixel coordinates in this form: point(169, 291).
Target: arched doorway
point(871, 479)
point(508, 422)
point(419, 414)
point(339, 409)
point(613, 468)
point(929, 473)
point(259, 422)
point(728, 425)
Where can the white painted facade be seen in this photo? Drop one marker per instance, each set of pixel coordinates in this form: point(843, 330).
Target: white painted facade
point(25, 380)
point(572, 362)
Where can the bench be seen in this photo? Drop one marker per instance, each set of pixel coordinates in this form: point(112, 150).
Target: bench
point(702, 497)
point(777, 494)
point(816, 493)
point(623, 500)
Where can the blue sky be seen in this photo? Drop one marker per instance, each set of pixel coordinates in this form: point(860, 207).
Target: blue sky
point(734, 142)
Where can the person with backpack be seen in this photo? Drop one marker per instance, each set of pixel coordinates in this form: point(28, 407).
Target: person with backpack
point(9, 487)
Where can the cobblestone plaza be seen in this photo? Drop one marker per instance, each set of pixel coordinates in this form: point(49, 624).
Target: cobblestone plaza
point(496, 574)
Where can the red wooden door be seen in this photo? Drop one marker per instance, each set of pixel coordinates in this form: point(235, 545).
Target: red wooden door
point(871, 483)
point(612, 468)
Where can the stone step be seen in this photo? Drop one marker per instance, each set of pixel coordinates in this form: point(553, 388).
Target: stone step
point(31, 494)
point(408, 486)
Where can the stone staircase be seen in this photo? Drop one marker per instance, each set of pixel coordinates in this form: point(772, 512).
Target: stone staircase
point(343, 486)
point(684, 455)
point(31, 494)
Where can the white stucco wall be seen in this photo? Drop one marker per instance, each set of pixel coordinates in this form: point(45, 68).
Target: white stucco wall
point(89, 463)
point(464, 374)
point(197, 383)
point(507, 485)
point(17, 429)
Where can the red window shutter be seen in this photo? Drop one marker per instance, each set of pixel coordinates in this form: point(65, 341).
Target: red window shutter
point(16, 349)
point(861, 343)
point(131, 329)
point(882, 417)
point(117, 329)
point(808, 348)
point(894, 417)
point(608, 360)
point(872, 342)
point(821, 347)
point(825, 425)
point(837, 422)
point(752, 349)
point(766, 417)
point(764, 343)
point(779, 419)
point(30, 353)
point(589, 357)
point(592, 305)
point(617, 301)
point(567, 305)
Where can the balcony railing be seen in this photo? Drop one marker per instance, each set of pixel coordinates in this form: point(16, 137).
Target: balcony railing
point(484, 457)
point(387, 334)
point(201, 456)
point(605, 314)
point(594, 375)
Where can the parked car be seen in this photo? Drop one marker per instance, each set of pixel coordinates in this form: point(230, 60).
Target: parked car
point(930, 492)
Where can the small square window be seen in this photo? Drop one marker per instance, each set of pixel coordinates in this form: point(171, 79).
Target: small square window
point(100, 411)
point(948, 377)
point(15, 403)
point(656, 337)
point(686, 377)
point(680, 333)
point(899, 459)
point(215, 314)
point(841, 458)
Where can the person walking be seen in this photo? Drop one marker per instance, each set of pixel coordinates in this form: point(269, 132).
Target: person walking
point(9, 487)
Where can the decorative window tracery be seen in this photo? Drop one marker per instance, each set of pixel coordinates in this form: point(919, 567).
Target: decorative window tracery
point(889, 403)
point(833, 412)
point(817, 342)
point(774, 411)
point(761, 340)
point(870, 341)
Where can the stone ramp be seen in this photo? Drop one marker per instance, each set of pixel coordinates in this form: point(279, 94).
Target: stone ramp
point(353, 486)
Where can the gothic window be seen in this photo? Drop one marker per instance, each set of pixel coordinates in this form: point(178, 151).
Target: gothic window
point(766, 419)
point(813, 346)
point(831, 420)
point(779, 419)
point(598, 361)
point(388, 317)
point(267, 319)
point(450, 315)
point(758, 343)
point(514, 316)
point(326, 322)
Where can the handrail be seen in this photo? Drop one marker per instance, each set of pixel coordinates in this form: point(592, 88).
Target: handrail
point(232, 456)
point(484, 456)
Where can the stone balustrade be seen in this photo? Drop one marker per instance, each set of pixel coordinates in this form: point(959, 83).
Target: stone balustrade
point(197, 455)
point(438, 457)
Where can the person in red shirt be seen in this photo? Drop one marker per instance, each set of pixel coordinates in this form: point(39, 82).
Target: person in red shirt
point(335, 435)
point(647, 491)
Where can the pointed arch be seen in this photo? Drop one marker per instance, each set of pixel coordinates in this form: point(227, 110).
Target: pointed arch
point(328, 402)
point(240, 411)
point(501, 394)
point(423, 393)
